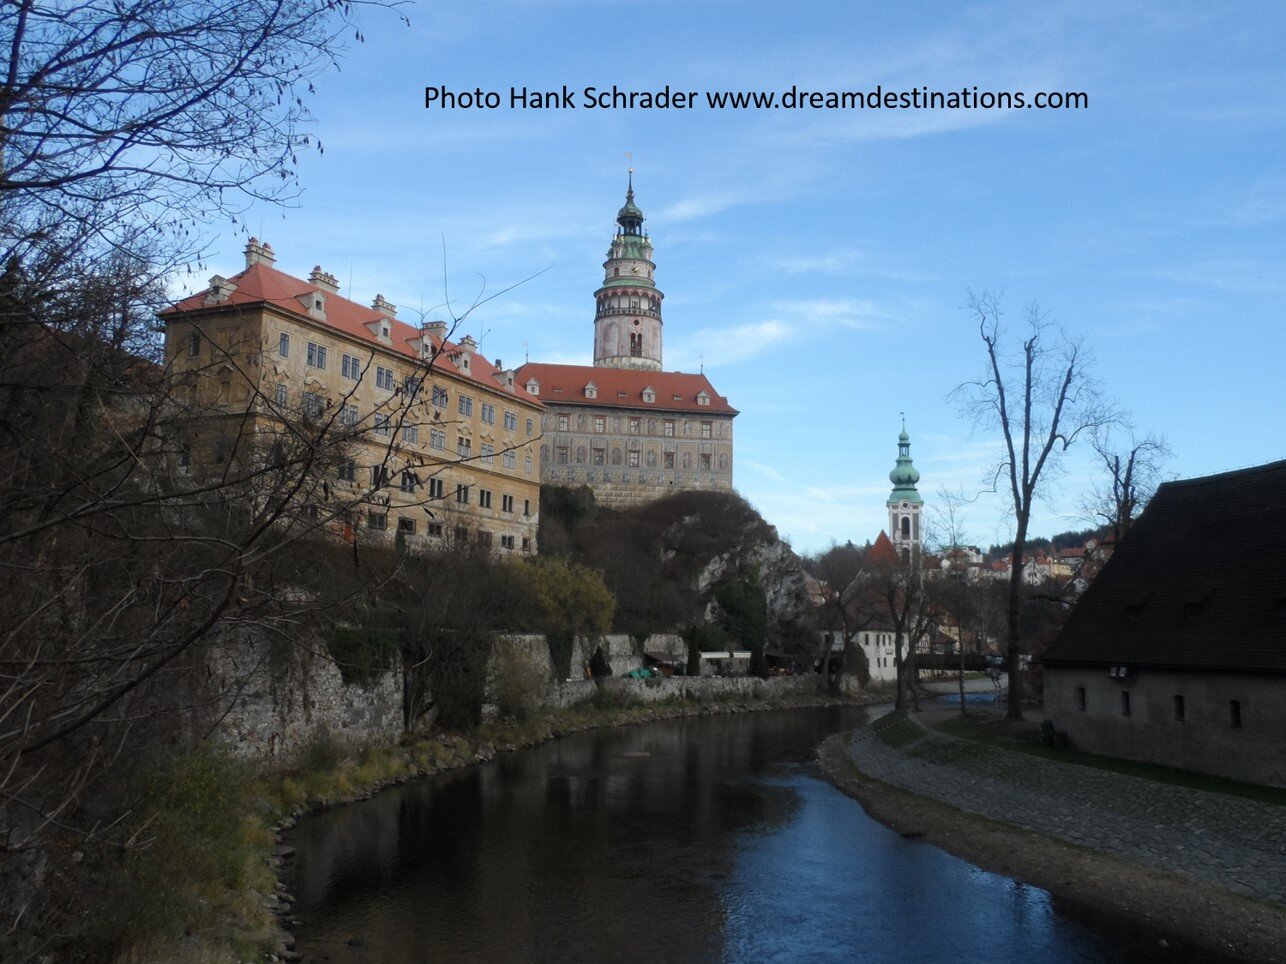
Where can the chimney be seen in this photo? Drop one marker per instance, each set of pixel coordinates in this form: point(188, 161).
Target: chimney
point(324, 280)
point(256, 252)
point(468, 344)
point(436, 328)
point(384, 306)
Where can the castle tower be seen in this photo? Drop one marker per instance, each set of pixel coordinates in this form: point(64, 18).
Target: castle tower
point(905, 502)
point(627, 322)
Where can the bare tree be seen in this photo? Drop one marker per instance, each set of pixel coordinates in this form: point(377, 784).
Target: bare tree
point(1133, 468)
point(957, 594)
point(848, 606)
point(122, 123)
point(1040, 393)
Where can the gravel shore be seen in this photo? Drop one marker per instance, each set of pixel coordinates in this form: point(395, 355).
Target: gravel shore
point(1201, 874)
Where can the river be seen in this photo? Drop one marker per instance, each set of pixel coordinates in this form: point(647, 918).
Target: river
point(721, 843)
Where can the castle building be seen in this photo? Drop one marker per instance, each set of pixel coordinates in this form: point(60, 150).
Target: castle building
point(904, 502)
point(427, 441)
point(624, 426)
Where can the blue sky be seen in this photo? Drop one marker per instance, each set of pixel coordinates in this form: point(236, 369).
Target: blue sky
point(818, 260)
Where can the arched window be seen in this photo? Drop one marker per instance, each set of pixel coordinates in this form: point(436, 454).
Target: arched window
point(636, 343)
point(906, 527)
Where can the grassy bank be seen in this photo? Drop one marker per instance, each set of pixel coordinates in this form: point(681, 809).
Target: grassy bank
point(206, 889)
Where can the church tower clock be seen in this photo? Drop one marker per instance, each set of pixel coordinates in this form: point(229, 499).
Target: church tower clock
point(627, 323)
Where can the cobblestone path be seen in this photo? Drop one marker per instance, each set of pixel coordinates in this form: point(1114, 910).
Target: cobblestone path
point(1236, 844)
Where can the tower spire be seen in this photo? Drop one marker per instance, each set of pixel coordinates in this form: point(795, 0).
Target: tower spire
point(904, 501)
point(627, 323)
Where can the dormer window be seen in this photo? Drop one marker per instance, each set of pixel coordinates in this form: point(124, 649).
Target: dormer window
point(533, 387)
point(591, 390)
point(649, 395)
point(386, 331)
point(703, 398)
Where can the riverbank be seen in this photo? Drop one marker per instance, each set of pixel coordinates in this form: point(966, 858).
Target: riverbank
point(1069, 829)
point(248, 914)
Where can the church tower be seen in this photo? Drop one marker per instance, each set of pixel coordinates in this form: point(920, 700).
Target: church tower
point(627, 323)
point(905, 502)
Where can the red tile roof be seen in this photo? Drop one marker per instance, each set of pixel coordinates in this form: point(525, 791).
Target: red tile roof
point(262, 284)
point(883, 553)
point(623, 388)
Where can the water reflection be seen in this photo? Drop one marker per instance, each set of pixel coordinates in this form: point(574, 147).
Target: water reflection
point(720, 844)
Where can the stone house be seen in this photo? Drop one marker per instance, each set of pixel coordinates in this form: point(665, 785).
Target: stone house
point(1176, 653)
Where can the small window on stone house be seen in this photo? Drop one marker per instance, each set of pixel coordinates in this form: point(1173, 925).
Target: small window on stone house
point(1179, 708)
point(1125, 702)
point(1234, 712)
point(1080, 698)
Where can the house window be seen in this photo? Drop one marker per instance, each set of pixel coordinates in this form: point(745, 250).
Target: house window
point(379, 476)
point(488, 413)
point(377, 521)
point(406, 526)
point(461, 493)
point(526, 544)
point(484, 498)
point(411, 385)
point(384, 378)
point(1125, 702)
point(382, 425)
point(527, 465)
point(484, 538)
point(461, 535)
point(348, 414)
point(408, 481)
point(506, 503)
point(1179, 709)
point(562, 454)
point(194, 345)
point(349, 367)
point(1234, 712)
point(511, 421)
point(411, 434)
point(511, 459)
point(1080, 698)
point(600, 456)
point(465, 405)
point(346, 471)
point(506, 542)
point(707, 430)
point(283, 396)
point(667, 460)
point(283, 345)
point(599, 424)
point(440, 397)
point(633, 458)
point(526, 507)
point(433, 529)
point(316, 356)
point(437, 490)
point(564, 423)
point(705, 461)
point(529, 427)
point(437, 438)
point(488, 454)
point(668, 428)
point(463, 447)
point(312, 405)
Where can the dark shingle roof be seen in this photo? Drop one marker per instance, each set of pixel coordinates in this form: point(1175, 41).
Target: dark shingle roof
point(1199, 582)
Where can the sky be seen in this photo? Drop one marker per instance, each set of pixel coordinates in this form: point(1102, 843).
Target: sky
point(817, 262)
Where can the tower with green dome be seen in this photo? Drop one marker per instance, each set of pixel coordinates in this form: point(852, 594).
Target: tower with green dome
point(627, 323)
point(904, 502)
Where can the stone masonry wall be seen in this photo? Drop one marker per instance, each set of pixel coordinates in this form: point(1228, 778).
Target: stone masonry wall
point(277, 705)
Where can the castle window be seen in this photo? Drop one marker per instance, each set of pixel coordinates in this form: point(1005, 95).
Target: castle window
point(564, 423)
point(707, 430)
point(317, 356)
point(1180, 711)
point(636, 344)
point(599, 423)
point(634, 426)
point(194, 345)
point(1234, 712)
point(1080, 698)
point(667, 460)
point(377, 521)
point(705, 461)
point(634, 457)
point(283, 345)
point(668, 428)
point(1125, 702)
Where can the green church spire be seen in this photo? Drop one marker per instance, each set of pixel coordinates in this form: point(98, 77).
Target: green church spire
point(904, 475)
